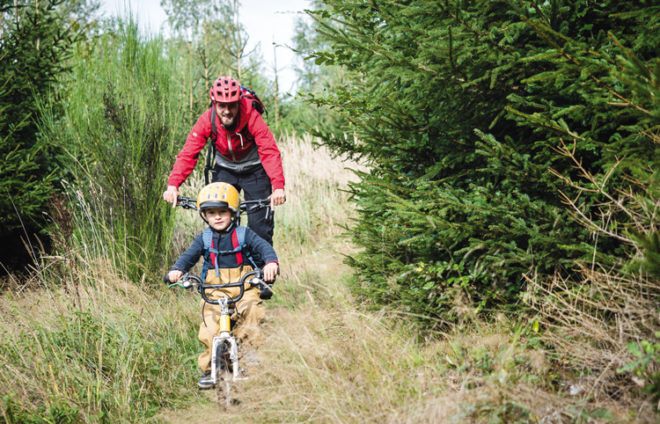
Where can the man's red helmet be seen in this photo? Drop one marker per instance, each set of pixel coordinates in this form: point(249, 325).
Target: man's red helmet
point(225, 90)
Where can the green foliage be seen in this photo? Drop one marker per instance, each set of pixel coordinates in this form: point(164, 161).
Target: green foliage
point(35, 41)
point(58, 412)
point(646, 365)
point(461, 108)
point(122, 113)
point(97, 365)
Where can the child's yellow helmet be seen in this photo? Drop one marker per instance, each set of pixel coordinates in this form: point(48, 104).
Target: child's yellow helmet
point(218, 195)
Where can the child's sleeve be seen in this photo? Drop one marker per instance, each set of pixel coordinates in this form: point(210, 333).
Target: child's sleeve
point(189, 258)
point(258, 245)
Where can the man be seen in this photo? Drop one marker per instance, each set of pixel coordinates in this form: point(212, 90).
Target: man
point(246, 154)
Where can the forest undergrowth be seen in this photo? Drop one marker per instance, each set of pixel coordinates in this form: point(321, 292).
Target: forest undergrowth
point(96, 347)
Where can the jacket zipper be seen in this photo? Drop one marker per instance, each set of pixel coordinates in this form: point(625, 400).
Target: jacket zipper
point(231, 151)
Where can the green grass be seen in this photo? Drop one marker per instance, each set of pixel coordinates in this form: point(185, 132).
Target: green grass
point(104, 352)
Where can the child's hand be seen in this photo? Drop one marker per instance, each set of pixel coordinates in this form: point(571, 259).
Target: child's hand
point(174, 276)
point(270, 271)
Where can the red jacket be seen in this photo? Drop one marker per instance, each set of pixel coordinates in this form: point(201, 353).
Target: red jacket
point(231, 145)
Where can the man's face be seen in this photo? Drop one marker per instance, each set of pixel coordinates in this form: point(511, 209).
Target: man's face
point(227, 113)
point(218, 218)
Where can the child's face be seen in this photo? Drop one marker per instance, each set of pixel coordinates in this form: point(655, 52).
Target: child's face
point(218, 218)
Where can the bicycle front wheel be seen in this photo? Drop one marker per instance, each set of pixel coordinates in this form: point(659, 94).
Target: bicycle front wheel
point(224, 385)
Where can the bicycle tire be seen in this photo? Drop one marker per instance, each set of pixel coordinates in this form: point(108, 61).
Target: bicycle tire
point(225, 388)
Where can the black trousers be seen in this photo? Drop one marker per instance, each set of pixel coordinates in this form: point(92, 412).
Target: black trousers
point(255, 185)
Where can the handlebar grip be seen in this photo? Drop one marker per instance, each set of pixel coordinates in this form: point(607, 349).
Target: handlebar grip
point(166, 278)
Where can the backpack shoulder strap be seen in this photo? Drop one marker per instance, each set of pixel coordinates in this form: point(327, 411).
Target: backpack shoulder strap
point(211, 151)
point(238, 242)
point(214, 129)
point(240, 234)
point(238, 239)
point(207, 238)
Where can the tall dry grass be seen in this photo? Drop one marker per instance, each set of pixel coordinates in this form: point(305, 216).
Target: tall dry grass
point(328, 360)
point(317, 205)
point(91, 346)
point(592, 331)
point(603, 320)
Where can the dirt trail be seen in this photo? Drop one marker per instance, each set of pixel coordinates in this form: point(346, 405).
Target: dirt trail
point(323, 261)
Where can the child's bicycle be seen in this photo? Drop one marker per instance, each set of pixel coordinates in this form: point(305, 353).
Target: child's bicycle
point(225, 370)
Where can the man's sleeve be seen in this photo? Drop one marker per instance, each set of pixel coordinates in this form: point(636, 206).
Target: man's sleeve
point(187, 157)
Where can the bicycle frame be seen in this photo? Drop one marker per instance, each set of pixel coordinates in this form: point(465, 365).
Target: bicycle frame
point(224, 349)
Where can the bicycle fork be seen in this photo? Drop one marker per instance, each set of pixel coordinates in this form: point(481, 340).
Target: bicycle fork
point(225, 336)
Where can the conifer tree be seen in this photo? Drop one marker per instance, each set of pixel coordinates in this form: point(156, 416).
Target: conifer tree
point(35, 39)
point(460, 108)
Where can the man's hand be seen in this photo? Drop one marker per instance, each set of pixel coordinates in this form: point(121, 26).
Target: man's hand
point(170, 195)
point(270, 271)
point(277, 198)
point(174, 276)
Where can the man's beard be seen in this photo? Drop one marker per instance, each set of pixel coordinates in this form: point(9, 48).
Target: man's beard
point(234, 122)
point(231, 127)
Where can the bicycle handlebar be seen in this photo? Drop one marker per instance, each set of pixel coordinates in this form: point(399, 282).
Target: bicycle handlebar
point(265, 290)
point(248, 206)
point(245, 205)
point(186, 202)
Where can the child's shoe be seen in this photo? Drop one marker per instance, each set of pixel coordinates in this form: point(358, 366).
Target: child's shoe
point(205, 381)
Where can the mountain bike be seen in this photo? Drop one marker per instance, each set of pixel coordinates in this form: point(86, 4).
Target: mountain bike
point(225, 369)
point(248, 206)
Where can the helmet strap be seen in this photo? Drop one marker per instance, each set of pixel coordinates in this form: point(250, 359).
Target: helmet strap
point(229, 228)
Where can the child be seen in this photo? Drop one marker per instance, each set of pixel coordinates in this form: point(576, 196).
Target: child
point(217, 204)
